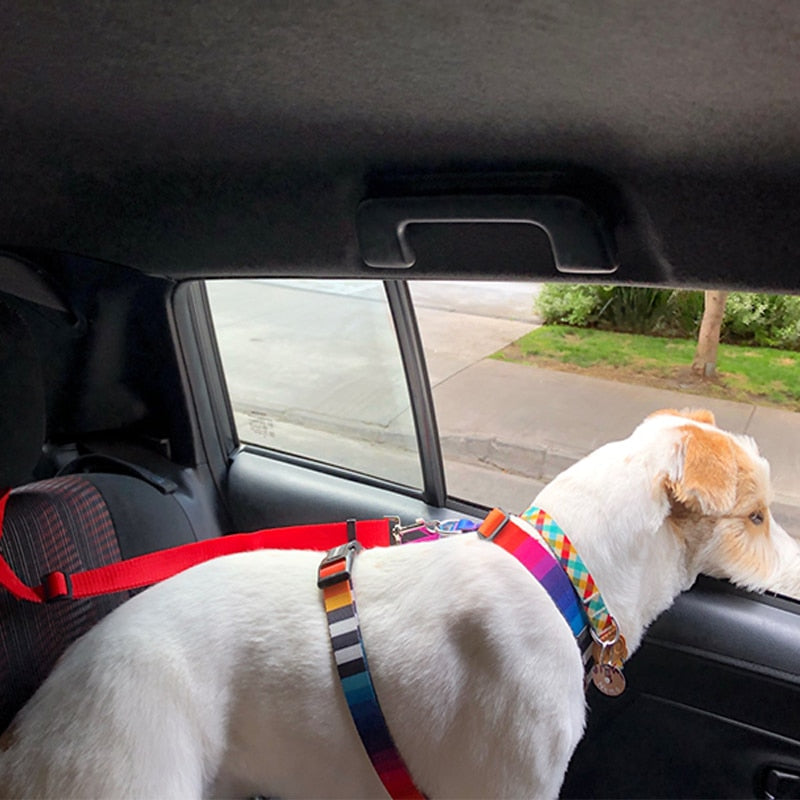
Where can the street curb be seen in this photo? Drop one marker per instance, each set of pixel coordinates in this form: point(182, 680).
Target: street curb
point(538, 463)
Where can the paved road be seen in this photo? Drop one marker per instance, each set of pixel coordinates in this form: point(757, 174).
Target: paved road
point(505, 428)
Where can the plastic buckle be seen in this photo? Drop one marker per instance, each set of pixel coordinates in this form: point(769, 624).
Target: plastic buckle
point(506, 518)
point(56, 586)
point(337, 564)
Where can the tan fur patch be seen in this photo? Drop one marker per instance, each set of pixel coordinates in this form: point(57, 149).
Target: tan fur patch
point(746, 557)
point(710, 468)
point(695, 414)
point(687, 522)
point(720, 501)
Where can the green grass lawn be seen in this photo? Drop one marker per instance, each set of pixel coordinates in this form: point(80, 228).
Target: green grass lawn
point(749, 374)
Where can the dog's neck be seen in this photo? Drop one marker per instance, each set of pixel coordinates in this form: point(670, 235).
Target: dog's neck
point(619, 527)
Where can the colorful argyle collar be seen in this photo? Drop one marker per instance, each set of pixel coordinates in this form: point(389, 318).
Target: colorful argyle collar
point(604, 650)
point(603, 624)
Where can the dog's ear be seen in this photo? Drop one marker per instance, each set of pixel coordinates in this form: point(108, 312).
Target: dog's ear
point(706, 476)
point(699, 415)
point(695, 414)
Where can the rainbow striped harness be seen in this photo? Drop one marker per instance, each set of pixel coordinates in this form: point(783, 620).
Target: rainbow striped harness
point(554, 563)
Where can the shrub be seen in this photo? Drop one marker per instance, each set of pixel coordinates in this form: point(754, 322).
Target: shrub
point(621, 308)
point(768, 320)
point(685, 314)
point(634, 310)
point(569, 304)
point(757, 319)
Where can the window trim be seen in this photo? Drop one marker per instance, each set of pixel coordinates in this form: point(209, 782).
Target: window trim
point(401, 308)
point(420, 394)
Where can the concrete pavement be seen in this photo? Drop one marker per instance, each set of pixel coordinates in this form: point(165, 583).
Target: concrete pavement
point(535, 423)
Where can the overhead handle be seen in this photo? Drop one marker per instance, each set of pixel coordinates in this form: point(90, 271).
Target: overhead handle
point(578, 238)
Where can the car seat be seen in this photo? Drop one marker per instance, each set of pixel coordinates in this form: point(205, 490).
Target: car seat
point(67, 522)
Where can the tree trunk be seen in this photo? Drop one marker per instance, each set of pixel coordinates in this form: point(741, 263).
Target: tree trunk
point(705, 357)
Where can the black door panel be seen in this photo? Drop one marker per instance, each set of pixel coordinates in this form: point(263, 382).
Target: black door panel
point(712, 705)
point(267, 492)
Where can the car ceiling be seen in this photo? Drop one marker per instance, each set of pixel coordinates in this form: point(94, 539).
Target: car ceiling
point(223, 138)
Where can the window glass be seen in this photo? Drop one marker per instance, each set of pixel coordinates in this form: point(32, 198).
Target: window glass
point(489, 458)
point(513, 412)
point(313, 368)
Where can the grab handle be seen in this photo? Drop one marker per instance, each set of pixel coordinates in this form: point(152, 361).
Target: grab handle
point(579, 240)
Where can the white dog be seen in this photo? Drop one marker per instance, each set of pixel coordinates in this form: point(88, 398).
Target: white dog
point(220, 681)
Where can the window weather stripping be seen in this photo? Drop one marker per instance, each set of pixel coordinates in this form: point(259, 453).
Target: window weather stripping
point(419, 388)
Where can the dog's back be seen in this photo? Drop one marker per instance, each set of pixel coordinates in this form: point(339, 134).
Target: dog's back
point(222, 679)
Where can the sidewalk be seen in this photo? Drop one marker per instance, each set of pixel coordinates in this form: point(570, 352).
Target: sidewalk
point(523, 424)
point(546, 420)
point(537, 422)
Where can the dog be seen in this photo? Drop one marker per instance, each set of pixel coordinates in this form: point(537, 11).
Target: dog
point(220, 681)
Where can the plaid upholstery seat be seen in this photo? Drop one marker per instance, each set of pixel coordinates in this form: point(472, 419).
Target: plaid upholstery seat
point(62, 523)
point(71, 523)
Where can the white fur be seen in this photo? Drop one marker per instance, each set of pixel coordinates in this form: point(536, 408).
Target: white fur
point(220, 681)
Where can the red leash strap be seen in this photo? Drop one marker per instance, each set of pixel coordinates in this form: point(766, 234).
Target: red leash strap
point(8, 577)
point(133, 573)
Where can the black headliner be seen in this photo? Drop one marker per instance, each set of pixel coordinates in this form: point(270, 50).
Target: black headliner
point(208, 138)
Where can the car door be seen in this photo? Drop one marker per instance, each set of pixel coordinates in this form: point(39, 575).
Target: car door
point(332, 399)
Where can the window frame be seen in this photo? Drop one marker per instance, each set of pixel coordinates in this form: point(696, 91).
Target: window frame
point(199, 324)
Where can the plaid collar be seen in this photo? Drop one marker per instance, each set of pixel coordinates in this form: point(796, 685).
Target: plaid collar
point(603, 624)
point(605, 646)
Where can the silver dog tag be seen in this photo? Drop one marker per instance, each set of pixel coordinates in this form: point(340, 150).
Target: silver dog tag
point(608, 679)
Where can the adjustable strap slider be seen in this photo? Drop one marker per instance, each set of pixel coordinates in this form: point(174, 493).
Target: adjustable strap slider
point(337, 564)
point(494, 523)
point(56, 586)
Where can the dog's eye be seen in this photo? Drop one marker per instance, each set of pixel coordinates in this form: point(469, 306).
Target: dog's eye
point(757, 517)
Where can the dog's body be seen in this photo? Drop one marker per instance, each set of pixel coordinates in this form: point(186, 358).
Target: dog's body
point(221, 680)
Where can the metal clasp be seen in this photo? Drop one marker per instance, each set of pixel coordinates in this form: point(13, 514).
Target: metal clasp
point(400, 532)
point(449, 527)
point(612, 650)
point(605, 643)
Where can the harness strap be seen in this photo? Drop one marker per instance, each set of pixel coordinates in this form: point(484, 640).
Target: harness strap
point(134, 573)
point(498, 527)
point(334, 579)
point(351, 664)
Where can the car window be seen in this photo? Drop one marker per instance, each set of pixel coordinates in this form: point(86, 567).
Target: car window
point(313, 369)
point(462, 325)
point(517, 403)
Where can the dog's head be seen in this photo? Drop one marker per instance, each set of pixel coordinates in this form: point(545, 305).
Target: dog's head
point(718, 487)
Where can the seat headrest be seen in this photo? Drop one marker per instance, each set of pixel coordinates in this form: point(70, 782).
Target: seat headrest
point(22, 400)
